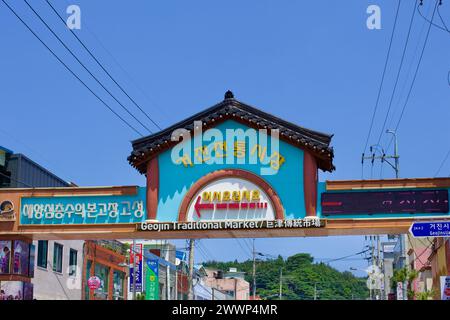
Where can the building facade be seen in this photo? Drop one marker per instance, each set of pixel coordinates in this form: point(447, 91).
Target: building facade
point(56, 265)
point(58, 270)
point(439, 260)
point(105, 259)
point(231, 283)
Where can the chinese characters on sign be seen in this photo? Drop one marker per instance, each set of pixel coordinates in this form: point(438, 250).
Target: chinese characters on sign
point(83, 209)
point(218, 150)
point(231, 225)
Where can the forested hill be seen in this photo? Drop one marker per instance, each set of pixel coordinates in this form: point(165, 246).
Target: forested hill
point(300, 277)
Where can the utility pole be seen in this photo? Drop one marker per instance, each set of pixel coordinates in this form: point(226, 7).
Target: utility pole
point(176, 283)
point(166, 245)
point(396, 156)
point(281, 284)
point(383, 157)
point(315, 290)
point(372, 247)
point(254, 271)
point(379, 264)
point(191, 270)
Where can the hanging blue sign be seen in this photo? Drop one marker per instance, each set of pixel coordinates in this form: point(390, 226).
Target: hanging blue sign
point(430, 229)
point(138, 276)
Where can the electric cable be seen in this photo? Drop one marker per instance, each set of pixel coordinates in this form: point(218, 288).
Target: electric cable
point(431, 21)
point(414, 77)
point(382, 77)
point(442, 163)
point(103, 68)
point(70, 70)
point(398, 71)
point(85, 68)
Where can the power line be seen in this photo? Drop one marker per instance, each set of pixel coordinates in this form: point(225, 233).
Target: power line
point(414, 77)
point(442, 163)
point(398, 72)
point(203, 251)
point(209, 253)
point(143, 92)
point(431, 21)
point(382, 77)
point(70, 70)
point(442, 19)
point(248, 243)
point(85, 68)
point(351, 255)
point(103, 68)
point(243, 250)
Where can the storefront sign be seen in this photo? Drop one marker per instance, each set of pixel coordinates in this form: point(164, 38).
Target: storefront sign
point(151, 280)
point(231, 199)
point(373, 202)
point(139, 264)
point(95, 209)
point(94, 283)
point(445, 288)
point(7, 211)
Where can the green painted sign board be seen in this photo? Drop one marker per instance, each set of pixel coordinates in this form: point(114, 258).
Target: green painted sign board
point(151, 280)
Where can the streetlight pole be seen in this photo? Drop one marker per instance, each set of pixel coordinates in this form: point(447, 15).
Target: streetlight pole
point(254, 271)
point(191, 270)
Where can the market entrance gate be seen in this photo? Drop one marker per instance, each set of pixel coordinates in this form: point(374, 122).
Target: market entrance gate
point(229, 171)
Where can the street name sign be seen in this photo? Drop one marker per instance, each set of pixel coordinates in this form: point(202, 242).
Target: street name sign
point(430, 229)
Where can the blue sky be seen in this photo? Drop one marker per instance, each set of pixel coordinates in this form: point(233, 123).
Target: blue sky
point(314, 63)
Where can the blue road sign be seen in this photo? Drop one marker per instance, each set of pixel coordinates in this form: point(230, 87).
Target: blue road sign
point(430, 229)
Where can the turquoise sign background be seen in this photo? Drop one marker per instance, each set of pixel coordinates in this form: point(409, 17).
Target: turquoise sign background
point(84, 209)
point(176, 179)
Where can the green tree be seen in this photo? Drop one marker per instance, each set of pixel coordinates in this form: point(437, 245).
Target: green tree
point(302, 278)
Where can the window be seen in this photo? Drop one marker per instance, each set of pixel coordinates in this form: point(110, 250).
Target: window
point(57, 257)
point(5, 256)
point(42, 253)
point(102, 272)
point(118, 278)
point(73, 262)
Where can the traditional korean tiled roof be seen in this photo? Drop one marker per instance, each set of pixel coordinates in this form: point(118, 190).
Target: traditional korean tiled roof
point(317, 143)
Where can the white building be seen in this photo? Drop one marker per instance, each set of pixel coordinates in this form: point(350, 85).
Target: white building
point(58, 269)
